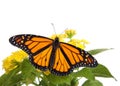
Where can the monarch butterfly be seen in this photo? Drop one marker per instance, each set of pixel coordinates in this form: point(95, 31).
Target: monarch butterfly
point(47, 54)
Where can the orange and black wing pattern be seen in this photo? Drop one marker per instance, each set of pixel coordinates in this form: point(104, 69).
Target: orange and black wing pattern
point(59, 57)
point(39, 48)
point(69, 57)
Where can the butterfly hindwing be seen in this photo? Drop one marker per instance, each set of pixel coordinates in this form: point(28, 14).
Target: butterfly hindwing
point(42, 59)
point(61, 65)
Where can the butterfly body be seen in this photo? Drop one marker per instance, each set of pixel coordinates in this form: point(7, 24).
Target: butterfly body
point(48, 54)
point(55, 45)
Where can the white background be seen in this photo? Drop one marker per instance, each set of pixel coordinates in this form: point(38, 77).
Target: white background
point(98, 21)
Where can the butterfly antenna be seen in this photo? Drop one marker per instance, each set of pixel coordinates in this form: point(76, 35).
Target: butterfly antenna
point(54, 28)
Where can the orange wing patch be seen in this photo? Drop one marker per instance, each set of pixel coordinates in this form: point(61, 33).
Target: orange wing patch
point(40, 39)
point(60, 63)
point(71, 48)
point(35, 43)
point(42, 59)
point(72, 53)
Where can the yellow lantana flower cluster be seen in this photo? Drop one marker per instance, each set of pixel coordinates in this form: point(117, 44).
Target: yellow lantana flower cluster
point(79, 43)
point(70, 33)
point(9, 62)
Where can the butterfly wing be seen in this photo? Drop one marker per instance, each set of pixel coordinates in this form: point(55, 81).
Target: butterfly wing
point(38, 47)
point(69, 57)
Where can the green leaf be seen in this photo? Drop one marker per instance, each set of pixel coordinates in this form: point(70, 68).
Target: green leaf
point(85, 72)
point(3, 78)
point(92, 83)
point(16, 80)
point(96, 51)
point(43, 83)
point(75, 82)
point(56, 80)
point(101, 71)
point(10, 79)
point(27, 72)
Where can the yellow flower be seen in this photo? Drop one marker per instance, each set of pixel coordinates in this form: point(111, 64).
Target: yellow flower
point(19, 56)
point(79, 43)
point(9, 62)
point(60, 36)
point(47, 72)
point(70, 33)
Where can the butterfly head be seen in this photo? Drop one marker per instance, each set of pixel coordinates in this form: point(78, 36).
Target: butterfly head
point(56, 42)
